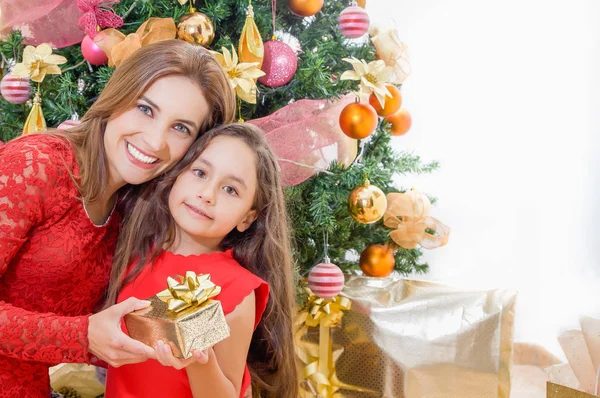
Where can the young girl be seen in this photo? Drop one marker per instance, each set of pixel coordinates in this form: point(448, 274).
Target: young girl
point(221, 212)
point(58, 230)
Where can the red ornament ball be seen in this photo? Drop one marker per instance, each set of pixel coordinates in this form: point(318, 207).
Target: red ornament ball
point(67, 124)
point(326, 280)
point(353, 22)
point(279, 64)
point(15, 90)
point(92, 53)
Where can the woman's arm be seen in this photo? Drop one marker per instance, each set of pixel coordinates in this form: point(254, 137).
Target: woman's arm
point(29, 175)
point(33, 179)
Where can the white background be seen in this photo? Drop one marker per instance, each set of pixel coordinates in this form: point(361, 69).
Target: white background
point(505, 94)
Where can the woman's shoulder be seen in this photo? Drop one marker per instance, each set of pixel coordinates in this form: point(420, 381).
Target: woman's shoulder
point(41, 147)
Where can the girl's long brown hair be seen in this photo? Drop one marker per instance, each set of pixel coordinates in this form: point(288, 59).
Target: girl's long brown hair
point(127, 85)
point(264, 249)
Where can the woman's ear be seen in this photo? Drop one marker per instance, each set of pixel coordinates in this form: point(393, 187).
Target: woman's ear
point(247, 221)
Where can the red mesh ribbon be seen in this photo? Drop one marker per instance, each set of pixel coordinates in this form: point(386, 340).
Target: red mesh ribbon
point(97, 13)
point(42, 21)
point(306, 137)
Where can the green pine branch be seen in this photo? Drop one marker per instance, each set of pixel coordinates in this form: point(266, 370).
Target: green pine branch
point(316, 206)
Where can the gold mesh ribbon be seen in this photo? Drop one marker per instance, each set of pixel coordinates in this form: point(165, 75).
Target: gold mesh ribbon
point(408, 214)
point(119, 47)
point(318, 368)
point(189, 291)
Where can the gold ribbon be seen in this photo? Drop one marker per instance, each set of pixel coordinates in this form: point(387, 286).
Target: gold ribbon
point(35, 121)
point(119, 47)
point(251, 48)
point(319, 370)
point(408, 214)
point(189, 291)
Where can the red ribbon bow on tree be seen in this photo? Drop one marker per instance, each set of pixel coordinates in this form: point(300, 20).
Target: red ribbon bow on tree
point(96, 13)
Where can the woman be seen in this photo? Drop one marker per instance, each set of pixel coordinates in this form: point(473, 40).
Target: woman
point(58, 226)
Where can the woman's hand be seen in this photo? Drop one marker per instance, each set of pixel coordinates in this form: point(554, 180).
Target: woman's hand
point(164, 355)
point(108, 342)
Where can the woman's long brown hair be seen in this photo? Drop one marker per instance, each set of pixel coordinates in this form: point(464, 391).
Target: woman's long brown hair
point(264, 249)
point(127, 85)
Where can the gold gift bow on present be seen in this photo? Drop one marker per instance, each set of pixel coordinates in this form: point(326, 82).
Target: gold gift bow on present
point(119, 47)
point(190, 291)
point(408, 214)
point(325, 313)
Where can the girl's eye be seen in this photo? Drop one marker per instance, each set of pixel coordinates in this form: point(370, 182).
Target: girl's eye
point(146, 110)
point(182, 129)
point(230, 190)
point(199, 173)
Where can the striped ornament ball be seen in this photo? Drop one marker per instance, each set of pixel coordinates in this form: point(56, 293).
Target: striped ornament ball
point(353, 22)
point(326, 280)
point(15, 90)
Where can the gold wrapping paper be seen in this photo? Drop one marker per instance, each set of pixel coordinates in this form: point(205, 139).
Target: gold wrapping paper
point(79, 377)
point(582, 350)
point(413, 339)
point(558, 391)
point(195, 328)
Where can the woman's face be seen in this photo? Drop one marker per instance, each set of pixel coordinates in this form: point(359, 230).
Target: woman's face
point(153, 136)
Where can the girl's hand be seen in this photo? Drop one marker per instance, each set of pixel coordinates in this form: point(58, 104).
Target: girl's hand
point(164, 355)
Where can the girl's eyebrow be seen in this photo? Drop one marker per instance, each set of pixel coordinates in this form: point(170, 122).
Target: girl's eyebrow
point(229, 176)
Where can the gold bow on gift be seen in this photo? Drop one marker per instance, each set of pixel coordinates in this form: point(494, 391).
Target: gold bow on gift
point(327, 312)
point(408, 214)
point(119, 47)
point(319, 370)
point(189, 291)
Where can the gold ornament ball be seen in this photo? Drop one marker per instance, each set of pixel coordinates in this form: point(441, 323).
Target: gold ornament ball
point(367, 203)
point(305, 8)
point(358, 120)
point(377, 260)
point(196, 28)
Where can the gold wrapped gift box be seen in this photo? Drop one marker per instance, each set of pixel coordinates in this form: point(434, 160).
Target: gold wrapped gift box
point(182, 316)
point(414, 339)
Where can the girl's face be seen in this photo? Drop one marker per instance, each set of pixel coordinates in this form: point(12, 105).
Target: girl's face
point(216, 194)
point(151, 137)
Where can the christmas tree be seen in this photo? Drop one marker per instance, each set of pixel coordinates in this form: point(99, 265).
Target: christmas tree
point(318, 205)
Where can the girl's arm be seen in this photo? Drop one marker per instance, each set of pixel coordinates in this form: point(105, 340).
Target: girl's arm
point(221, 376)
point(219, 372)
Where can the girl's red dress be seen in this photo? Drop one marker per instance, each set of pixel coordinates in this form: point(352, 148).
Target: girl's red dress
point(151, 379)
point(54, 263)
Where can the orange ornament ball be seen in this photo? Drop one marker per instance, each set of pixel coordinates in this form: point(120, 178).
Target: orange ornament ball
point(361, 3)
point(377, 260)
point(400, 122)
point(358, 120)
point(392, 104)
point(305, 8)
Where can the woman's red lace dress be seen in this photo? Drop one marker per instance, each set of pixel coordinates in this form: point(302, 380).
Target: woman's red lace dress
point(54, 264)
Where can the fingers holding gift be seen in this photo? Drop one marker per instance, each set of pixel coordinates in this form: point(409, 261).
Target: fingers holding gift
point(165, 356)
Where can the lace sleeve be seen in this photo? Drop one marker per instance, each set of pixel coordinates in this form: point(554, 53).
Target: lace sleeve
point(32, 181)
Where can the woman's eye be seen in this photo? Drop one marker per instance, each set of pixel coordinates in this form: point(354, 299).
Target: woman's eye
point(145, 109)
point(181, 128)
point(199, 173)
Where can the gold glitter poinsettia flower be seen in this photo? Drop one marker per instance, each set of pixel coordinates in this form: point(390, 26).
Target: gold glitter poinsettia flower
point(39, 62)
point(241, 75)
point(372, 76)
